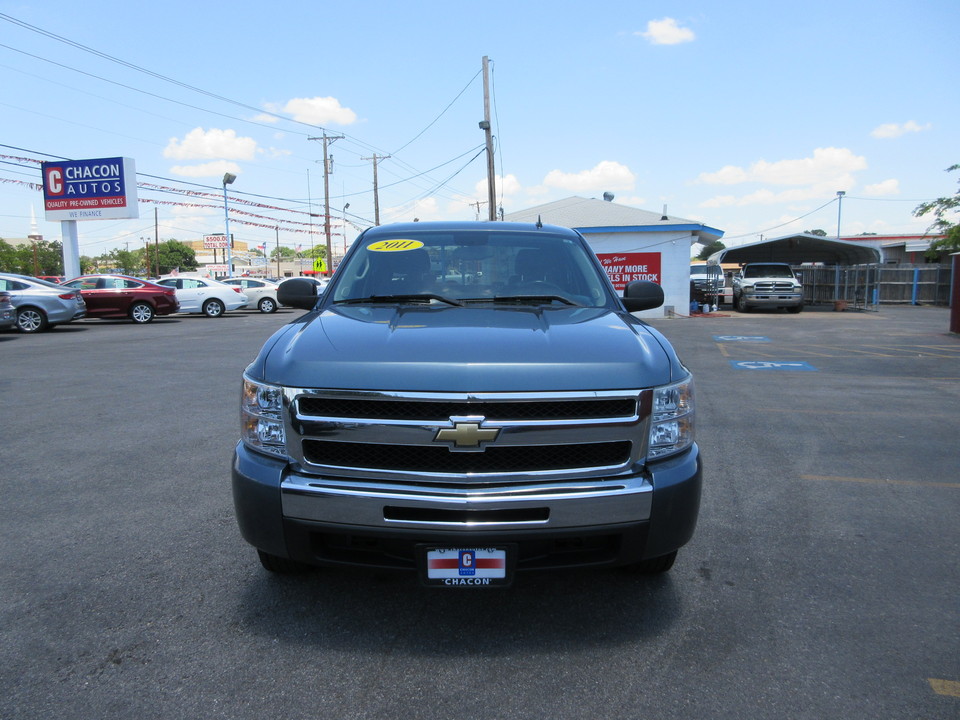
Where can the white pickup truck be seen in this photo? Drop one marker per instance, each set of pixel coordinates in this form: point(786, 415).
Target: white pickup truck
point(767, 285)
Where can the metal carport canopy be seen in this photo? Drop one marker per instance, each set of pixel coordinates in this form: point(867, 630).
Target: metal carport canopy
point(799, 249)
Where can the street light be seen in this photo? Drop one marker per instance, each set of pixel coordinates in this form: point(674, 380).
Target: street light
point(228, 179)
point(840, 194)
point(344, 227)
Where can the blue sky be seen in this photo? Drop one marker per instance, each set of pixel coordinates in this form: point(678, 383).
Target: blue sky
point(746, 116)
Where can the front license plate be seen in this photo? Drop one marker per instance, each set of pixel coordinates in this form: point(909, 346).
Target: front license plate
point(466, 567)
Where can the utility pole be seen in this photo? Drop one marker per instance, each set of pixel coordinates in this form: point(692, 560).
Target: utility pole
point(327, 139)
point(485, 126)
point(156, 240)
point(376, 194)
point(278, 250)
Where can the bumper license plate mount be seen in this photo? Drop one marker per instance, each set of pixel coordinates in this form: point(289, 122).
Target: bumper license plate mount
point(467, 567)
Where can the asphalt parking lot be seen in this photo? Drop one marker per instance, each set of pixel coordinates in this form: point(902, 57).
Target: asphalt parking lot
point(823, 580)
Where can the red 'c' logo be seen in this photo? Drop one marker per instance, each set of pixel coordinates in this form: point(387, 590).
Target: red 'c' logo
point(54, 181)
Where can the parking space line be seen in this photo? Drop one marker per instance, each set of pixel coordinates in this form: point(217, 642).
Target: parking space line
point(945, 687)
point(880, 481)
point(921, 349)
point(833, 351)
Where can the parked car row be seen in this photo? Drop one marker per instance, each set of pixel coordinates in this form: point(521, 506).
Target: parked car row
point(34, 304)
point(41, 304)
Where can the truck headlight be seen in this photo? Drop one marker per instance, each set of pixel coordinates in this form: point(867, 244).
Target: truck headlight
point(261, 418)
point(672, 419)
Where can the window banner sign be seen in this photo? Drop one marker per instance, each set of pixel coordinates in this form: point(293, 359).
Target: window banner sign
point(624, 268)
point(101, 189)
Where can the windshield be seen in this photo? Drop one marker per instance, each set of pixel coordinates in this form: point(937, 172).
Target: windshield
point(705, 271)
point(464, 266)
point(767, 271)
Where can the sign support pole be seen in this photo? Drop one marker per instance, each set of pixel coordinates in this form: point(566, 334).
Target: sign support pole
point(71, 248)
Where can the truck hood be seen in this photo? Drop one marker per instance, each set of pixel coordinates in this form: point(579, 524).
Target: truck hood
point(466, 349)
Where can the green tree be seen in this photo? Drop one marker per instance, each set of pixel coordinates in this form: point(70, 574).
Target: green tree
point(818, 232)
point(42, 257)
point(284, 252)
point(942, 208)
point(708, 250)
point(317, 251)
point(176, 255)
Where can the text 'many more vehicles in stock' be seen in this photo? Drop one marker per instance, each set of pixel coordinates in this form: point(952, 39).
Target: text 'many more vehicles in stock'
point(121, 296)
point(767, 285)
point(467, 401)
point(261, 294)
point(204, 295)
point(41, 304)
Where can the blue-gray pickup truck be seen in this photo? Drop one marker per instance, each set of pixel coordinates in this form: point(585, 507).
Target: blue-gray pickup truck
point(467, 401)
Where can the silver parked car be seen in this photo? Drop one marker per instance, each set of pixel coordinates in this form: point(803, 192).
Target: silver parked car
point(262, 293)
point(8, 313)
point(41, 304)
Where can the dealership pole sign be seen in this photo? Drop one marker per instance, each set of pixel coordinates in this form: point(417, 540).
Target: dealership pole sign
point(100, 189)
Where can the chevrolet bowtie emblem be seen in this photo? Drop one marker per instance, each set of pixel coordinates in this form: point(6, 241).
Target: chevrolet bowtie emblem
point(466, 435)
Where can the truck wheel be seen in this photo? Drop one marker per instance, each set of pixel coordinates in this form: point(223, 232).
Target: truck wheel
point(213, 308)
point(739, 305)
point(654, 566)
point(795, 309)
point(279, 565)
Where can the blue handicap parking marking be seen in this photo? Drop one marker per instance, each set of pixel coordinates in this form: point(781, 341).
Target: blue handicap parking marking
point(795, 366)
point(740, 338)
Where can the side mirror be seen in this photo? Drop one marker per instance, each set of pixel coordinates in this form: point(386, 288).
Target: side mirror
point(298, 292)
point(642, 295)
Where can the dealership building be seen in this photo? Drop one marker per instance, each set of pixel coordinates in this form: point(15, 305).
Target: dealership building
point(632, 244)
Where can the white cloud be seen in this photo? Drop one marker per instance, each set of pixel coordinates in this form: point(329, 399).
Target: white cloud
point(632, 201)
point(320, 111)
point(274, 153)
point(666, 32)
point(828, 165)
point(766, 197)
point(887, 187)
point(807, 179)
point(505, 187)
point(424, 209)
point(888, 131)
point(200, 144)
point(211, 169)
point(606, 175)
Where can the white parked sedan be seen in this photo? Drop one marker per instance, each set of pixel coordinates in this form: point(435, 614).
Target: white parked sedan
point(204, 295)
point(262, 293)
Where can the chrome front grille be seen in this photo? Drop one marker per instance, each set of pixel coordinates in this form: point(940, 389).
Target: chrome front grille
point(439, 459)
point(771, 286)
point(491, 409)
point(400, 436)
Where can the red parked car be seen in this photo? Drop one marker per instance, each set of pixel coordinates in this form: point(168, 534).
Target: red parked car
point(120, 296)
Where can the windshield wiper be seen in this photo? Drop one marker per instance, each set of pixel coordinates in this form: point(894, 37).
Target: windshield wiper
point(387, 299)
point(528, 299)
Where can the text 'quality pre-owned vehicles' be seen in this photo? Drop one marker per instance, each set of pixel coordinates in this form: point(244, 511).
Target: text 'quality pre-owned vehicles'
point(41, 304)
point(121, 296)
point(467, 401)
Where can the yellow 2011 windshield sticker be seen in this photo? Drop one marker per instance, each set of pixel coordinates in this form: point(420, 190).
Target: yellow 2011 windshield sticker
point(398, 245)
